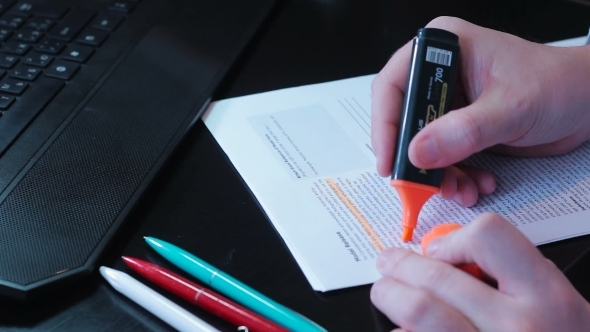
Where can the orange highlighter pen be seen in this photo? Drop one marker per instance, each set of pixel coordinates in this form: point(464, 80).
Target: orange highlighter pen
point(429, 92)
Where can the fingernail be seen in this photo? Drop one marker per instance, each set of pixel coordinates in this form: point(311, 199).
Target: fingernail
point(382, 260)
point(432, 248)
point(459, 198)
point(428, 151)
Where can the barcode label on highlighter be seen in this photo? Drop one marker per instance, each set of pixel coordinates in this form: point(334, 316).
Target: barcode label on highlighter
point(438, 56)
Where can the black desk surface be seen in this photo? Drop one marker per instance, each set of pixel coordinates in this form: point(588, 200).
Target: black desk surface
point(201, 203)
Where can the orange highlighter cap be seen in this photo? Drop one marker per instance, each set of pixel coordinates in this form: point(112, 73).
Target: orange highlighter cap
point(413, 197)
point(445, 229)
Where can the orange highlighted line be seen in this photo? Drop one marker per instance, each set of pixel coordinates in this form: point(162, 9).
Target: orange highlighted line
point(357, 214)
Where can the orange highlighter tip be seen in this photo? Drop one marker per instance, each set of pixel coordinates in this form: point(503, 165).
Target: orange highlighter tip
point(407, 234)
point(413, 196)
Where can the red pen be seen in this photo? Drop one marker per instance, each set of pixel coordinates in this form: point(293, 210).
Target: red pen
point(204, 298)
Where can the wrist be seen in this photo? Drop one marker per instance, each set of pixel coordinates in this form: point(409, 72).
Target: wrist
point(571, 86)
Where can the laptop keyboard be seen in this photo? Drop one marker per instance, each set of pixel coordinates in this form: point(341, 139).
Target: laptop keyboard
point(42, 46)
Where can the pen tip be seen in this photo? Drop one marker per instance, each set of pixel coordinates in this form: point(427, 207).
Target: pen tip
point(131, 262)
point(407, 234)
point(104, 271)
point(151, 240)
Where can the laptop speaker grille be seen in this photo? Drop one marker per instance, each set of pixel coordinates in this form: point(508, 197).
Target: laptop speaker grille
point(60, 212)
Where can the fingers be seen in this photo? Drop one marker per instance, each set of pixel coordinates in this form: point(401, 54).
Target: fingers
point(458, 289)
point(484, 180)
point(464, 184)
point(458, 186)
point(461, 133)
point(387, 94)
point(414, 309)
point(500, 250)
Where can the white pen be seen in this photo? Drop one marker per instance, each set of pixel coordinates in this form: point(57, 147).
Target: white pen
point(152, 301)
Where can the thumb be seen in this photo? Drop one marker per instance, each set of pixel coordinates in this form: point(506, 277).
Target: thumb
point(463, 132)
point(499, 249)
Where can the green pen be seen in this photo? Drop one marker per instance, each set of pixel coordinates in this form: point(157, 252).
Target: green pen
point(232, 287)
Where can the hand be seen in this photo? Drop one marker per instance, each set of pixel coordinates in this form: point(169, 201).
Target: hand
point(429, 294)
point(519, 97)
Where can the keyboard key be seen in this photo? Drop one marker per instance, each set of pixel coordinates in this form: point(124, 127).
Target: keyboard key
point(50, 46)
point(14, 47)
point(36, 59)
point(11, 21)
point(25, 73)
point(6, 101)
point(77, 53)
point(50, 10)
point(24, 9)
point(62, 69)
point(13, 86)
point(122, 7)
point(23, 111)
point(40, 9)
point(72, 24)
point(40, 23)
point(29, 36)
point(4, 34)
point(92, 37)
point(108, 21)
point(7, 61)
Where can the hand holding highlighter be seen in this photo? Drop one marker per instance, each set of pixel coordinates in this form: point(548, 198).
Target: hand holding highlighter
point(429, 92)
point(445, 229)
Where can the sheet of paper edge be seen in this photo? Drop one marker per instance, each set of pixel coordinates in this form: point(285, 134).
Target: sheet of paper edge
point(578, 41)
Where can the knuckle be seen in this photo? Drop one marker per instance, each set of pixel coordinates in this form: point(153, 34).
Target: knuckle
point(398, 259)
point(445, 22)
point(376, 82)
point(418, 308)
point(519, 119)
point(378, 291)
point(551, 264)
point(438, 274)
point(485, 227)
point(471, 130)
point(490, 223)
point(521, 104)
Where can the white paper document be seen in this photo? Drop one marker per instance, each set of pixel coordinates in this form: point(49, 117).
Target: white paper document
point(577, 41)
point(305, 153)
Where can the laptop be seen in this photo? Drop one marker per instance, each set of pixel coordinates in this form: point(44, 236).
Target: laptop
point(94, 97)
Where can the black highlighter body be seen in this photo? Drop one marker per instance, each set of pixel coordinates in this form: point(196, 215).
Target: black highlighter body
point(429, 92)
